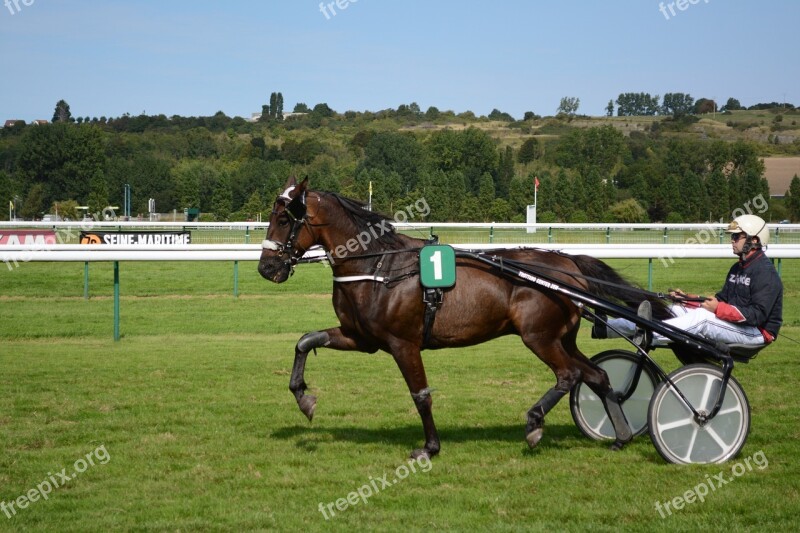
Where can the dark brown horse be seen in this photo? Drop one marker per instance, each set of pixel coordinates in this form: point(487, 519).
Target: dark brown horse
point(378, 299)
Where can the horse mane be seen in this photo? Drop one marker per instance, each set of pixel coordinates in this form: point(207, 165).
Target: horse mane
point(370, 222)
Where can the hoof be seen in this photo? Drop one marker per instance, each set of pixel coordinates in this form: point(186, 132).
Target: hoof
point(617, 446)
point(308, 404)
point(534, 437)
point(420, 453)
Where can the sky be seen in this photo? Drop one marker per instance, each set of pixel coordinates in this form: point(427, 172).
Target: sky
point(197, 57)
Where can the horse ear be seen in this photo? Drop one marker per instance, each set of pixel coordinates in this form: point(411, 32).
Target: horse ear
point(291, 182)
point(303, 187)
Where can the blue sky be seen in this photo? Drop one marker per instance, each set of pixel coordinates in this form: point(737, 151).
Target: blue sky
point(197, 57)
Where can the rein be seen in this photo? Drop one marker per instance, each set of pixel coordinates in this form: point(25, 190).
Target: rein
point(533, 267)
point(467, 254)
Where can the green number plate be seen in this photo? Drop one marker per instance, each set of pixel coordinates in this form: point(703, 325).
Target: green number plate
point(437, 266)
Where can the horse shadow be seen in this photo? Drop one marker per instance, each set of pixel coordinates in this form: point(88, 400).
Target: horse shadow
point(312, 437)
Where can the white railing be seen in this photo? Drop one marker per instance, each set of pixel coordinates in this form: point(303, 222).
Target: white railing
point(90, 225)
point(15, 254)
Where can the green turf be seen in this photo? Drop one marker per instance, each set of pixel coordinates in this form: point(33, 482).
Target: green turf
point(193, 409)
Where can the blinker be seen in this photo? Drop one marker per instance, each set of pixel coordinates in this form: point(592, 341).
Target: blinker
point(297, 208)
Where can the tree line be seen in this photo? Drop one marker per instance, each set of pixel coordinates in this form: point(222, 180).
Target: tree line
point(232, 169)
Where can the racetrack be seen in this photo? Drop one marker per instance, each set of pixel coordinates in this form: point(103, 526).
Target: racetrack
point(201, 433)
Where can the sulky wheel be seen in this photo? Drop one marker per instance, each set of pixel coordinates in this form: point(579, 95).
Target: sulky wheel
point(587, 408)
point(676, 433)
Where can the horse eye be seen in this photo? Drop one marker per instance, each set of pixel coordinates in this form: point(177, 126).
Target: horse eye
point(283, 222)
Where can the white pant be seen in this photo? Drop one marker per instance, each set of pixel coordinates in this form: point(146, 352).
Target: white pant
point(697, 321)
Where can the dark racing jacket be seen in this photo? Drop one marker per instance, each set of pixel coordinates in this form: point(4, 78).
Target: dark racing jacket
point(753, 295)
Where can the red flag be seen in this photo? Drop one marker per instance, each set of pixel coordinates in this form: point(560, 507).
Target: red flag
point(536, 182)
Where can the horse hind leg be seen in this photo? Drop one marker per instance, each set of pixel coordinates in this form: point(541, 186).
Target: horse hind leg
point(560, 362)
point(570, 366)
point(535, 426)
point(597, 380)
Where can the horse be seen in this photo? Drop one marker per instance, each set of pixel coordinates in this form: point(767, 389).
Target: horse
point(378, 299)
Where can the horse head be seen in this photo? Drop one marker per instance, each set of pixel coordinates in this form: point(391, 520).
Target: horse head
point(289, 234)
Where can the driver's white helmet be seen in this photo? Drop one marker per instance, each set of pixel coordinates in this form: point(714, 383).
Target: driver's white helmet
point(752, 226)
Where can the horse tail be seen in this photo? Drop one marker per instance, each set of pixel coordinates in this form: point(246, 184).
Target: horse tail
point(608, 283)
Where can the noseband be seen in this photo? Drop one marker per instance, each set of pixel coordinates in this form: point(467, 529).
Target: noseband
point(295, 208)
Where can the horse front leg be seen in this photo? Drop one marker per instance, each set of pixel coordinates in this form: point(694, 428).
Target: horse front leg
point(409, 361)
point(330, 338)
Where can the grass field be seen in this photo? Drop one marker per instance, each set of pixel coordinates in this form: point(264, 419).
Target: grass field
point(190, 426)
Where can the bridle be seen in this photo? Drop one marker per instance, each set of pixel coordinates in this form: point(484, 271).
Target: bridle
point(296, 209)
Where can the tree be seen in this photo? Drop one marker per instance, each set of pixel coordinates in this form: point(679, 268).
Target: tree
point(300, 108)
point(569, 105)
point(395, 152)
point(732, 105)
point(610, 108)
point(264, 114)
point(6, 191)
point(704, 105)
point(637, 104)
point(66, 209)
point(628, 212)
point(505, 172)
point(98, 193)
point(496, 114)
point(34, 204)
point(677, 104)
point(62, 113)
point(222, 200)
point(273, 105)
point(432, 113)
point(186, 175)
point(529, 115)
point(599, 148)
point(252, 207)
point(529, 151)
point(792, 199)
point(279, 106)
point(471, 151)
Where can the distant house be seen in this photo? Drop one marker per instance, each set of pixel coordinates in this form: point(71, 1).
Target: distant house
point(255, 117)
point(10, 123)
point(39, 122)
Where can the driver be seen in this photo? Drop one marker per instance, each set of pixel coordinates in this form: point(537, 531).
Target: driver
point(748, 309)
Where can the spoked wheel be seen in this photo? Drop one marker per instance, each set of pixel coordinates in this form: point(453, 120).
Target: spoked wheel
point(675, 432)
point(587, 408)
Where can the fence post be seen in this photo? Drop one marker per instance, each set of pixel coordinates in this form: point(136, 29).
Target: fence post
point(116, 300)
point(236, 279)
point(86, 280)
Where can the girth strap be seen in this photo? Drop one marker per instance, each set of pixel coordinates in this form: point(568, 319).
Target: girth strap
point(433, 299)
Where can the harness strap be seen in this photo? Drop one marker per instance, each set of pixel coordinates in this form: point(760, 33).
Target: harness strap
point(347, 279)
